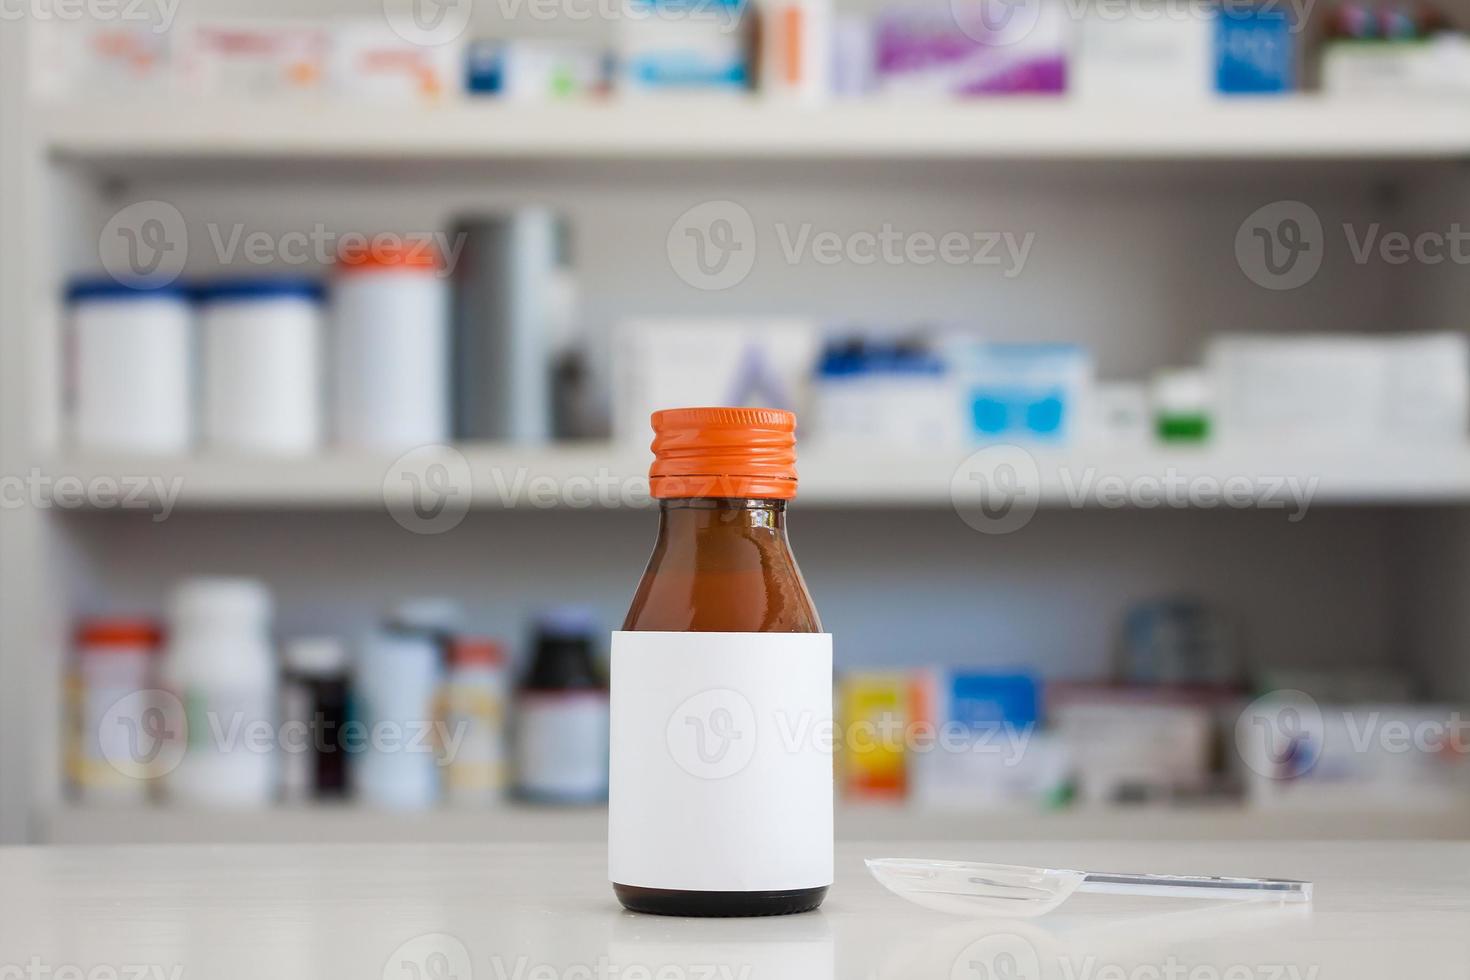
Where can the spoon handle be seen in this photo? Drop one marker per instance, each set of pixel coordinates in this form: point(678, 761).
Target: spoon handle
point(1193, 886)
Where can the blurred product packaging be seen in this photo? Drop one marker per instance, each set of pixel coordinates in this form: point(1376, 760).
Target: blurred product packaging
point(316, 687)
point(510, 319)
point(874, 717)
point(537, 69)
point(1135, 744)
point(221, 665)
point(1298, 753)
point(853, 53)
point(262, 365)
point(253, 59)
point(976, 743)
point(1342, 389)
point(132, 350)
point(114, 699)
point(1255, 50)
point(670, 46)
point(1121, 415)
point(1190, 51)
point(399, 678)
point(1157, 52)
point(372, 61)
point(561, 714)
point(1179, 641)
point(1181, 405)
point(390, 378)
point(1022, 392)
point(474, 710)
point(890, 394)
point(81, 59)
point(963, 48)
point(663, 362)
point(796, 57)
point(1394, 50)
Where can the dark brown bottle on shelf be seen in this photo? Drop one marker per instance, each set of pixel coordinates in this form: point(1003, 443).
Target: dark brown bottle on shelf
point(721, 795)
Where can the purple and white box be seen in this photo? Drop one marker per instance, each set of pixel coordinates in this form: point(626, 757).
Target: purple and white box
point(973, 47)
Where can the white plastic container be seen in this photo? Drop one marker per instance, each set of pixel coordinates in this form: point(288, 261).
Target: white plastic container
point(398, 680)
point(115, 672)
point(262, 366)
point(390, 375)
point(131, 369)
point(220, 664)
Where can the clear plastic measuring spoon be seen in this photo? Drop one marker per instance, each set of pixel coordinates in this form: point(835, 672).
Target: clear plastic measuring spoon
point(967, 888)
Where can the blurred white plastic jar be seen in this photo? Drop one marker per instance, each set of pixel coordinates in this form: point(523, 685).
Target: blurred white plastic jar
point(262, 366)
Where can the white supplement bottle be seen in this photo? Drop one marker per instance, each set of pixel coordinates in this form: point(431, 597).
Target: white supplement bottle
point(219, 663)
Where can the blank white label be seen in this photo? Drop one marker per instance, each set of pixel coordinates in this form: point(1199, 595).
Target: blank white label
point(721, 761)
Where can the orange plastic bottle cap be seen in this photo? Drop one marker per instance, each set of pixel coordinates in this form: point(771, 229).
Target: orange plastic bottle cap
point(388, 255)
point(723, 452)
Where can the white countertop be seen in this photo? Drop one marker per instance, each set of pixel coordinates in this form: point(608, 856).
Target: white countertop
point(545, 912)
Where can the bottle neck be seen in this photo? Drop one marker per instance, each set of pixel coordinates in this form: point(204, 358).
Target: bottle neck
point(722, 564)
point(689, 517)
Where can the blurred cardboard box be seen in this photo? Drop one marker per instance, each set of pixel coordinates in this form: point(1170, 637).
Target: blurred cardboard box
point(674, 363)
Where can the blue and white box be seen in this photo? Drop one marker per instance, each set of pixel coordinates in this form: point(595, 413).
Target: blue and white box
point(1255, 51)
point(1022, 393)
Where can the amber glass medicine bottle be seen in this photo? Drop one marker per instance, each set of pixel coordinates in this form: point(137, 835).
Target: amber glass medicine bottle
point(721, 766)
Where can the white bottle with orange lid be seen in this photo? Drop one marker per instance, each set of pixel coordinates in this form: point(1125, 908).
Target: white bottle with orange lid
point(390, 348)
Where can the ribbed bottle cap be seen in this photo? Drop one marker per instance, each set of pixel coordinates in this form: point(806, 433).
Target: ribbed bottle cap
point(723, 452)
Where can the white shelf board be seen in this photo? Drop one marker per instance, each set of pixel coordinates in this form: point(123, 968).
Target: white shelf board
point(1296, 127)
point(351, 824)
point(592, 476)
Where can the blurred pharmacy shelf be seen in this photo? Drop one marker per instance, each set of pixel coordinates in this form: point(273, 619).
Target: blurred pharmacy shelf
point(590, 476)
point(1297, 127)
point(349, 824)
